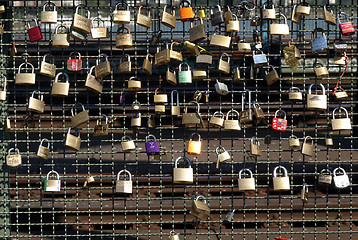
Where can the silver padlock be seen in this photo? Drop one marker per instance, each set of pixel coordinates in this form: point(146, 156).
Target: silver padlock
point(175, 109)
point(340, 181)
point(79, 118)
point(124, 186)
point(246, 184)
point(52, 185)
point(183, 175)
point(36, 104)
point(341, 123)
point(221, 88)
point(281, 183)
point(42, 151)
point(13, 160)
point(229, 216)
point(325, 177)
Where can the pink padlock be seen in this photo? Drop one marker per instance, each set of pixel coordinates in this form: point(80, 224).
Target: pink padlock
point(74, 64)
point(34, 32)
point(347, 28)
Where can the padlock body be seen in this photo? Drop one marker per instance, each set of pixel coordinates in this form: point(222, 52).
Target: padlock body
point(279, 124)
point(60, 89)
point(329, 17)
point(175, 110)
point(25, 78)
point(244, 47)
point(123, 186)
point(325, 179)
point(319, 44)
point(183, 175)
point(221, 88)
point(220, 41)
point(144, 20)
point(190, 118)
point(279, 29)
point(128, 146)
point(260, 60)
point(2, 95)
point(48, 69)
point(159, 109)
point(98, 33)
point(81, 23)
point(233, 26)
point(122, 16)
point(60, 40)
point(255, 150)
point(162, 57)
point(246, 116)
point(102, 69)
point(79, 118)
point(194, 147)
point(160, 98)
point(168, 19)
point(347, 28)
point(217, 18)
point(200, 207)
point(281, 183)
point(224, 67)
point(269, 14)
point(294, 142)
point(34, 33)
point(13, 160)
point(295, 96)
point(204, 59)
point(329, 141)
point(36, 105)
point(74, 65)
point(101, 130)
point(125, 67)
point(232, 125)
point(93, 84)
point(48, 16)
point(124, 41)
point(303, 10)
point(321, 72)
point(136, 122)
point(197, 33)
point(186, 14)
point(134, 85)
point(246, 184)
point(308, 149)
point(185, 77)
point(52, 185)
point(216, 121)
point(147, 67)
point(272, 77)
point(316, 102)
point(171, 78)
point(224, 156)
point(152, 147)
point(73, 142)
point(43, 152)
point(341, 181)
point(341, 124)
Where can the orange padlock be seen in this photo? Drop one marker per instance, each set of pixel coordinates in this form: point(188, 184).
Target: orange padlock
point(186, 12)
point(194, 147)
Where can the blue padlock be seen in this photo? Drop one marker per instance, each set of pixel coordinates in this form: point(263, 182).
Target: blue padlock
point(319, 43)
point(259, 59)
point(152, 146)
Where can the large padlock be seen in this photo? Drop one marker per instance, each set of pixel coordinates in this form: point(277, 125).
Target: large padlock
point(279, 124)
point(185, 76)
point(340, 181)
point(217, 17)
point(233, 25)
point(125, 66)
point(316, 101)
point(243, 47)
point(79, 118)
point(219, 40)
point(175, 109)
point(217, 119)
point(281, 183)
point(329, 16)
point(127, 144)
point(199, 208)
point(3, 92)
point(34, 32)
point(148, 64)
point(341, 123)
point(173, 235)
point(99, 31)
point(280, 28)
point(295, 94)
point(303, 9)
point(221, 88)
point(92, 83)
point(160, 97)
point(246, 184)
point(124, 39)
point(224, 66)
point(194, 146)
point(294, 142)
point(232, 124)
point(318, 43)
point(52, 185)
point(246, 115)
point(295, 17)
point(255, 147)
point(36, 104)
point(74, 64)
point(347, 28)
point(168, 19)
point(325, 177)
point(42, 151)
point(48, 68)
point(144, 20)
point(151, 145)
point(61, 39)
point(13, 160)
point(102, 69)
point(136, 120)
point(49, 16)
point(191, 118)
point(260, 59)
point(175, 55)
point(258, 112)
point(124, 186)
point(186, 12)
point(308, 149)
point(72, 141)
point(328, 140)
point(134, 84)
point(271, 76)
point(182, 175)
point(171, 77)
point(197, 33)
point(101, 129)
point(82, 23)
point(268, 13)
point(122, 15)
point(60, 89)
point(162, 57)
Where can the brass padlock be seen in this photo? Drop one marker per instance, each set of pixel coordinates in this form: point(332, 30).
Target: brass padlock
point(268, 13)
point(236, 75)
point(72, 141)
point(25, 78)
point(341, 123)
point(304, 194)
point(281, 183)
point(159, 108)
point(255, 148)
point(219, 40)
point(233, 25)
point(102, 69)
point(222, 154)
point(144, 20)
point(136, 120)
point(49, 16)
point(173, 235)
point(296, 18)
point(204, 58)
point(168, 19)
point(197, 33)
point(3, 91)
point(127, 144)
point(124, 40)
point(123, 15)
point(77, 35)
point(89, 179)
point(232, 124)
point(151, 122)
point(303, 9)
point(340, 93)
point(79, 118)
point(258, 112)
point(272, 76)
point(199, 208)
point(316, 101)
point(295, 94)
point(36, 104)
point(191, 118)
point(2, 8)
point(243, 47)
point(148, 65)
point(99, 32)
point(101, 129)
point(92, 83)
point(199, 74)
point(224, 66)
point(246, 184)
point(161, 97)
point(294, 142)
point(194, 146)
point(246, 115)
point(280, 28)
point(308, 149)
point(171, 77)
point(162, 57)
point(183, 175)
point(124, 186)
point(328, 140)
point(325, 177)
point(13, 160)
point(175, 109)
point(42, 151)
point(175, 55)
point(217, 119)
point(329, 16)
point(134, 84)
point(81, 23)
point(60, 89)
point(320, 71)
point(125, 67)
point(61, 39)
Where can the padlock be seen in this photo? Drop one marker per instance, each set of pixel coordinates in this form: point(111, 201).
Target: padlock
point(127, 144)
point(281, 183)
point(151, 146)
point(328, 140)
point(197, 33)
point(144, 20)
point(339, 60)
point(318, 43)
point(199, 208)
point(72, 141)
point(159, 109)
point(134, 84)
point(233, 25)
point(221, 88)
point(124, 186)
point(268, 13)
point(136, 105)
point(295, 94)
point(92, 83)
point(341, 123)
point(329, 16)
point(74, 64)
point(194, 147)
point(340, 181)
point(124, 39)
point(13, 160)
point(36, 104)
point(303, 9)
point(61, 39)
point(162, 57)
point(340, 46)
point(185, 76)
point(136, 120)
point(280, 28)
point(304, 193)
point(49, 16)
point(219, 40)
point(191, 118)
point(175, 109)
point(82, 23)
point(99, 31)
point(171, 77)
point(236, 75)
point(224, 66)
point(201, 12)
point(308, 149)
point(77, 35)
point(151, 122)
point(102, 69)
point(34, 32)
point(186, 12)
point(295, 17)
point(161, 97)
point(217, 119)
point(89, 179)
point(222, 154)
point(25, 78)
point(325, 177)
point(246, 184)
point(101, 129)
point(192, 48)
point(122, 15)
point(229, 216)
point(173, 235)
point(272, 76)
point(60, 89)
point(52, 185)
point(199, 74)
point(232, 124)
point(148, 65)
point(255, 21)
point(227, 14)
point(156, 36)
point(260, 60)
point(175, 55)
point(217, 17)
point(48, 69)
point(42, 151)
point(243, 47)
point(168, 19)
point(255, 147)
point(125, 66)
point(246, 115)
point(162, 154)
point(279, 124)
point(347, 28)
point(182, 175)
point(79, 118)
point(3, 92)
point(294, 142)
point(2, 28)
point(258, 112)
point(204, 59)
point(2, 8)
point(316, 101)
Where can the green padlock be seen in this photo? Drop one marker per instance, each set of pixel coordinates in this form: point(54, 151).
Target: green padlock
point(185, 76)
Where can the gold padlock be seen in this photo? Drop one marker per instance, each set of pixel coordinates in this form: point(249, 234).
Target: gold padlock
point(136, 120)
point(124, 40)
point(159, 109)
point(328, 140)
point(329, 16)
point(72, 141)
point(81, 23)
point(294, 142)
point(280, 28)
point(175, 55)
point(236, 75)
point(233, 25)
point(13, 160)
point(258, 112)
point(122, 16)
point(183, 175)
point(48, 69)
point(125, 67)
point(191, 118)
point(79, 118)
point(25, 78)
point(99, 32)
point(173, 235)
point(295, 94)
point(296, 18)
point(175, 109)
point(61, 39)
point(36, 104)
point(134, 84)
point(199, 208)
point(246, 184)
point(255, 148)
point(232, 124)
point(89, 179)
point(102, 69)
point(224, 66)
point(341, 123)
point(222, 154)
point(219, 40)
point(60, 89)
point(272, 76)
point(194, 147)
point(168, 19)
point(316, 101)
point(49, 16)
point(243, 47)
point(268, 13)
point(92, 83)
point(148, 64)
point(162, 57)
point(127, 144)
point(325, 177)
point(144, 20)
point(281, 183)
point(101, 129)
point(217, 119)
point(42, 151)
point(3, 92)
point(199, 74)
point(340, 93)
point(320, 71)
point(308, 149)
point(303, 9)
point(197, 33)
point(161, 97)
point(171, 77)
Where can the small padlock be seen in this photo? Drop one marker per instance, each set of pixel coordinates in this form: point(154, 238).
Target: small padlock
point(222, 154)
point(217, 17)
point(42, 151)
point(3, 92)
point(79, 118)
point(258, 112)
point(280, 28)
point(173, 235)
point(340, 181)
point(186, 12)
point(36, 104)
point(185, 76)
point(175, 55)
point(124, 186)
point(281, 183)
point(136, 120)
point(246, 184)
point(260, 60)
point(25, 78)
point(243, 47)
point(219, 40)
point(303, 9)
point(49, 16)
point(144, 20)
point(175, 109)
point(148, 65)
point(162, 154)
point(329, 16)
point(102, 69)
point(328, 140)
point(199, 74)
point(224, 66)
point(34, 32)
point(151, 122)
point(191, 118)
point(101, 129)
point(304, 194)
point(296, 18)
point(194, 147)
point(61, 39)
point(221, 88)
point(316, 101)
point(72, 141)
point(52, 185)
point(13, 160)
point(229, 216)
point(60, 89)
point(294, 142)
point(160, 97)
point(347, 28)
point(340, 46)
point(77, 35)
point(74, 64)
point(255, 148)
point(168, 19)
point(232, 124)
point(122, 15)
point(199, 208)
point(246, 115)
point(204, 59)
point(89, 179)
point(233, 25)
point(255, 21)
point(92, 83)
point(217, 119)
point(136, 105)
point(341, 94)
point(156, 36)
point(171, 77)
point(295, 94)
point(340, 59)
point(183, 175)
point(268, 13)
point(124, 40)
point(48, 69)
point(197, 33)
point(151, 146)
point(279, 124)
point(268, 139)
point(236, 75)
point(318, 43)
point(341, 123)
point(325, 177)
point(272, 76)
point(134, 84)
point(127, 144)
point(308, 149)
point(125, 66)
point(82, 23)
point(99, 31)
point(201, 12)
point(13, 50)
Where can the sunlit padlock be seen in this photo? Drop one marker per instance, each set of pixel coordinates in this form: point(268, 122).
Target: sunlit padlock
point(99, 31)
point(2, 8)
point(25, 78)
point(13, 160)
point(340, 181)
point(122, 14)
point(175, 55)
point(221, 88)
point(3, 91)
point(148, 64)
point(329, 16)
point(268, 13)
point(220, 40)
point(295, 94)
point(151, 145)
point(60, 89)
point(191, 118)
point(303, 9)
point(246, 184)
point(271, 76)
point(36, 104)
point(124, 186)
point(294, 142)
point(258, 112)
point(124, 38)
point(341, 123)
point(79, 118)
point(321, 71)
point(304, 193)
point(34, 32)
point(316, 101)
point(168, 19)
point(52, 185)
point(175, 109)
point(72, 141)
point(308, 148)
point(279, 124)
point(61, 39)
point(185, 76)
point(201, 12)
point(89, 179)
point(318, 43)
point(296, 18)
point(224, 66)
point(173, 235)
point(42, 151)
point(280, 28)
point(171, 77)
point(160, 97)
point(194, 146)
point(281, 183)
point(183, 175)
point(49, 16)
point(186, 12)
point(74, 64)
point(222, 154)
point(217, 119)
point(102, 69)
point(199, 207)
point(347, 28)
point(217, 17)
point(136, 120)
point(125, 66)
point(328, 140)
point(162, 154)
point(127, 144)
point(162, 57)
point(82, 23)
point(48, 68)
point(233, 25)
point(101, 128)
point(255, 148)
point(232, 124)
point(92, 83)
point(260, 59)
point(200, 74)
point(325, 177)
point(229, 216)
point(134, 84)
point(144, 20)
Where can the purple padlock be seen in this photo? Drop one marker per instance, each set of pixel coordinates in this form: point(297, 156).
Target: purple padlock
point(151, 145)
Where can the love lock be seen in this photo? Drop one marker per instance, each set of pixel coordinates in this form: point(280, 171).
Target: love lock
point(124, 186)
point(182, 175)
point(60, 89)
point(341, 123)
point(340, 181)
point(152, 147)
point(221, 88)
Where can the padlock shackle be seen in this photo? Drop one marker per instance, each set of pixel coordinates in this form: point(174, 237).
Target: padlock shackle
point(121, 29)
point(200, 197)
point(140, 8)
point(193, 102)
point(160, 88)
point(91, 70)
point(339, 169)
point(62, 26)
point(315, 32)
point(293, 137)
point(188, 67)
point(232, 112)
point(123, 4)
point(52, 58)
point(225, 54)
point(256, 105)
point(124, 171)
point(98, 20)
point(280, 167)
point(182, 3)
point(2, 76)
point(171, 7)
point(185, 159)
point(133, 79)
point(26, 63)
point(268, 4)
point(318, 62)
point(136, 115)
point(52, 171)
point(17, 151)
point(326, 171)
point(98, 60)
point(255, 141)
point(325, 8)
point(234, 20)
point(317, 84)
point(61, 73)
point(76, 129)
point(328, 135)
point(342, 14)
point(75, 107)
point(219, 150)
point(48, 142)
point(195, 134)
point(150, 136)
point(48, 4)
point(39, 94)
point(220, 114)
point(245, 170)
point(243, 98)
point(73, 53)
point(34, 20)
point(305, 187)
point(126, 138)
point(85, 8)
point(280, 111)
point(172, 97)
point(280, 15)
point(128, 59)
point(245, 4)
point(213, 7)
point(337, 108)
point(295, 88)
point(308, 137)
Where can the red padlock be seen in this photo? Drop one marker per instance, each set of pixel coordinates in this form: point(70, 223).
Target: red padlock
point(347, 28)
point(186, 12)
point(279, 124)
point(34, 32)
point(74, 64)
